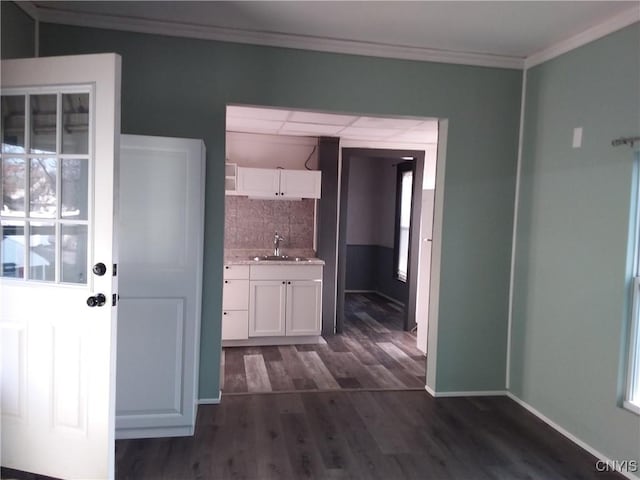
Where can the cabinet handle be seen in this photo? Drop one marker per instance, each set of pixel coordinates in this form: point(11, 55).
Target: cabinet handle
point(284, 283)
point(227, 267)
point(289, 283)
point(277, 193)
point(226, 281)
point(224, 313)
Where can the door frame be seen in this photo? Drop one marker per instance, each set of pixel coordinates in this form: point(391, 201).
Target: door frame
point(414, 231)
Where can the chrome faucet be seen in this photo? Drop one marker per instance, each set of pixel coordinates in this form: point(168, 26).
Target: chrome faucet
point(276, 244)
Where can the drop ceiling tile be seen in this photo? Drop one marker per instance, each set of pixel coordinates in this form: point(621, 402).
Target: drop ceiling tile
point(321, 118)
point(257, 113)
point(377, 122)
point(355, 132)
point(310, 128)
point(250, 125)
point(417, 136)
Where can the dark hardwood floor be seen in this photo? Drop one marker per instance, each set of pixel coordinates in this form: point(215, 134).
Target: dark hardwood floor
point(372, 353)
point(360, 435)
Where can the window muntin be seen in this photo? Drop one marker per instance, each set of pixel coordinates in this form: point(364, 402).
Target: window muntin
point(44, 185)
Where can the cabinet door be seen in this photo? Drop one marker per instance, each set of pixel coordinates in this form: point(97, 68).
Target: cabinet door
point(235, 325)
point(235, 295)
point(304, 307)
point(259, 182)
point(300, 183)
point(267, 308)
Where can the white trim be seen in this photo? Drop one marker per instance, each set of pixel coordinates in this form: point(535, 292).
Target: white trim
point(613, 24)
point(304, 42)
point(632, 407)
point(152, 432)
point(473, 393)
point(30, 9)
point(211, 401)
point(569, 435)
point(514, 236)
point(430, 391)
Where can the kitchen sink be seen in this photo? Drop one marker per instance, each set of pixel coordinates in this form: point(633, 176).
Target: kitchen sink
point(279, 258)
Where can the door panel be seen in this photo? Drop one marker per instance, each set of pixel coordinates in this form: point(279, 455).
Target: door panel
point(304, 303)
point(161, 233)
point(267, 308)
point(58, 375)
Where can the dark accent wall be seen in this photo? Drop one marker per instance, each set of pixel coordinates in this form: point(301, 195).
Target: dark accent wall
point(17, 39)
point(370, 267)
point(328, 155)
point(180, 87)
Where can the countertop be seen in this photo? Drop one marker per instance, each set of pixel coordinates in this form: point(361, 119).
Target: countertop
point(245, 257)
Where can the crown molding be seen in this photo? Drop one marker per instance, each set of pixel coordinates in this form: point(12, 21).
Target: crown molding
point(30, 9)
point(613, 24)
point(303, 42)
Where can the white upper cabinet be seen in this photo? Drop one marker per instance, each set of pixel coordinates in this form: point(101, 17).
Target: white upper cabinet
point(259, 182)
point(300, 183)
point(278, 183)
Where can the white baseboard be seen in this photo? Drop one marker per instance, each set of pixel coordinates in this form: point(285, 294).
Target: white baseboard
point(569, 435)
point(210, 401)
point(472, 393)
point(126, 433)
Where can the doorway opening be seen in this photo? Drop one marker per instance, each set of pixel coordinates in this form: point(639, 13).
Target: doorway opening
point(365, 337)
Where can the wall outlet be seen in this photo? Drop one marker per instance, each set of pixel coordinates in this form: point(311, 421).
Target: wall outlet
point(577, 137)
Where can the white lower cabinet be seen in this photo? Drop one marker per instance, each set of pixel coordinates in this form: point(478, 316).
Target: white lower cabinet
point(235, 303)
point(285, 307)
point(267, 308)
point(304, 307)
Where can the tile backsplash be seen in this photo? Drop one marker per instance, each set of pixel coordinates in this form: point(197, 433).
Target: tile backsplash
point(252, 223)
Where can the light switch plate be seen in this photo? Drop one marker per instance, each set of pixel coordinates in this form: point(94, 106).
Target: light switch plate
point(577, 137)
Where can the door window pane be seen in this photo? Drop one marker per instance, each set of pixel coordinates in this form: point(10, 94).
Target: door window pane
point(75, 187)
point(13, 186)
point(43, 199)
point(74, 253)
point(43, 123)
point(13, 123)
point(42, 252)
point(75, 123)
point(12, 249)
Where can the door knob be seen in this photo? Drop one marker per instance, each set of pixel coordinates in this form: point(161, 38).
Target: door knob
point(100, 269)
point(97, 300)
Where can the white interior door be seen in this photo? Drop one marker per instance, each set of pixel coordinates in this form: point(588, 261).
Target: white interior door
point(60, 117)
point(161, 248)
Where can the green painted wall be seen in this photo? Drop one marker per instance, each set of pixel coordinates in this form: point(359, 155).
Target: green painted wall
point(179, 87)
point(571, 304)
point(17, 39)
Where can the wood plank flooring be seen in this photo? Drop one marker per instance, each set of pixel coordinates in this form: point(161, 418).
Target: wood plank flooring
point(341, 434)
point(372, 353)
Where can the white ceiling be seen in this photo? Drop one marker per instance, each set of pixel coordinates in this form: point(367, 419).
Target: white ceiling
point(347, 127)
point(503, 30)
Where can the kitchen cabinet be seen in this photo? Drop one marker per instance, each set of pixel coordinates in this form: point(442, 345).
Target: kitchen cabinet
point(278, 183)
point(235, 302)
point(285, 301)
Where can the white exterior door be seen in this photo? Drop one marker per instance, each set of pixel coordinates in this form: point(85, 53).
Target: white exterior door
point(304, 307)
point(59, 158)
point(161, 247)
point(267, 308)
